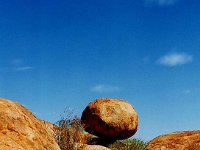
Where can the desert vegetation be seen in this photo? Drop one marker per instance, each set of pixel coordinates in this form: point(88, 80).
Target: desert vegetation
point(67, 132)
point(128, 144)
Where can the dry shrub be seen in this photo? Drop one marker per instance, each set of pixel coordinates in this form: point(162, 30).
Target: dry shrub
point(68, 132)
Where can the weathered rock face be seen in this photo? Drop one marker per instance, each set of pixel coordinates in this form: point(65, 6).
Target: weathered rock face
point(90, 147)
point(186, 140)
point(110, 118)
point(21, 130)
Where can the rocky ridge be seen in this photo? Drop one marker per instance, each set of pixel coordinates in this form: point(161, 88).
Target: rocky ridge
point(21, 130)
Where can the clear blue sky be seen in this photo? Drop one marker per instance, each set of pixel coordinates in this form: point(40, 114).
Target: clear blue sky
point(57, 54)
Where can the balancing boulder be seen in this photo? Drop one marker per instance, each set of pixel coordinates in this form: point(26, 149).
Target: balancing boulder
point(110, 118)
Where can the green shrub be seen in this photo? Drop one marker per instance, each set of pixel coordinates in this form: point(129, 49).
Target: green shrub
point(129, 144)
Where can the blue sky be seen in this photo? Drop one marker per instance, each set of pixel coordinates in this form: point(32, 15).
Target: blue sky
point(57, 54)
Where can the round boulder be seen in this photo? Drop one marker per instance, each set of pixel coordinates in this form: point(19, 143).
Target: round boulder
point(110, 118)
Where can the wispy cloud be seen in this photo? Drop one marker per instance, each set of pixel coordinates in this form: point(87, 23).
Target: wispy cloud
point(20, 65)
point(175, 59)
point(160, 2)
point(24, 68)
point(101, 88)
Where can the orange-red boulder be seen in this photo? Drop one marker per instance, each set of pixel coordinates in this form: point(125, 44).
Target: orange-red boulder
point(21, 130)
point(110, 118)
point(185, 140)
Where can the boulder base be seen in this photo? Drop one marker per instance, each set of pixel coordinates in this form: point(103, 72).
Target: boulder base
point(110, 118)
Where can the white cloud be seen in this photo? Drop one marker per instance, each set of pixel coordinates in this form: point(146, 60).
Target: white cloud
point(24, 68)
point(175, 59)
point(161, 2)
point(187, 91)
point(101, 88)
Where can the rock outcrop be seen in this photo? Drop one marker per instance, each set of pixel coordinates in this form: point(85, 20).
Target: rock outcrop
point(185, 140)
point(110, 118)
point(21, 130)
